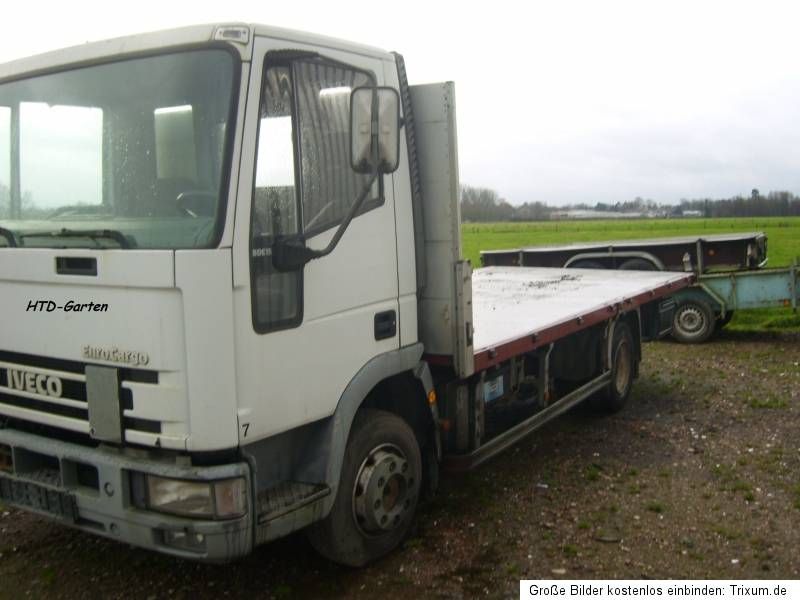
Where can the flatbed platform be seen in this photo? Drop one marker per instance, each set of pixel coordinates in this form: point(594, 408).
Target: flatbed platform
point(517, 309)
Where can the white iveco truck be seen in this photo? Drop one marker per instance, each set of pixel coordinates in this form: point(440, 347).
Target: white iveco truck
point(233, 303)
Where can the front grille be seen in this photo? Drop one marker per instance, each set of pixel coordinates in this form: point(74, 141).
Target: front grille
point(28, 383)
point(74, 366)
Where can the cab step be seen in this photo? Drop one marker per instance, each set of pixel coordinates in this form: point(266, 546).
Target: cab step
point(288, 497)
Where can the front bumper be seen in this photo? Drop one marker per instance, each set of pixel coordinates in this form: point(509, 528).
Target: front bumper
point(90, 489)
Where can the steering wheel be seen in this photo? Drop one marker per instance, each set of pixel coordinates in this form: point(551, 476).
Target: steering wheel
point(196, 203)
point(319, 214)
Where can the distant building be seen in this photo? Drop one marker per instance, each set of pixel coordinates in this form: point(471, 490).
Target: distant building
point(691, 213)
point(595, 214)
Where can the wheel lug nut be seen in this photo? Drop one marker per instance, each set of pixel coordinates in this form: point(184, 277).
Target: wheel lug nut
point(377, 503)
point(381, 482)
point(392, 467)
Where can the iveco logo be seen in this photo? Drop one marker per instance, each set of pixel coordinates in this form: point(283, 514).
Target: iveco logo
point(35, 383)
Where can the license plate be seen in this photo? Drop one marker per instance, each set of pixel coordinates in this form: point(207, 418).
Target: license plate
point(39, 498)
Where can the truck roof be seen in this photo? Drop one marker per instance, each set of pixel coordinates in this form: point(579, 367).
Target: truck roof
point(102, 50)
point(320, 40)
point(666, 241)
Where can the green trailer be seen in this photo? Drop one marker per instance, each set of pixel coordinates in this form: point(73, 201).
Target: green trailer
point(710, 303)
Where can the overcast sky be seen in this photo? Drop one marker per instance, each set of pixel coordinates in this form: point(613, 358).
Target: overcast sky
point(560, 101)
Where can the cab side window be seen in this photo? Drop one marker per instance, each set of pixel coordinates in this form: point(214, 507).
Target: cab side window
point(304, 184)
point(275, 211)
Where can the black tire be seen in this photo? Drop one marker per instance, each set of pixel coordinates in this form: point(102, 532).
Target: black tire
point(694, 321)
point(722, 321)
point(378, 491)
point(638, 264)
point(623, 371)
point(586, 264)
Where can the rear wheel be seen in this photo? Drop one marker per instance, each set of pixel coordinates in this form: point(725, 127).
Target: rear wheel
point(378, 491)
point(693, 322)
point(623, 368)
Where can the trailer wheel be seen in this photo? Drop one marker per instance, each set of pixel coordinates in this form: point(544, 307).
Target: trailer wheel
point(623, 368)
point(693, 322)
point(638, 264)
point(378, 491)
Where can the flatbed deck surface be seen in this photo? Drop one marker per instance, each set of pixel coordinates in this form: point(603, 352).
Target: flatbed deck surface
point(515, 303)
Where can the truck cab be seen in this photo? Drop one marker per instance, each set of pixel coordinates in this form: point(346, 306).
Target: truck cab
point(152, 176)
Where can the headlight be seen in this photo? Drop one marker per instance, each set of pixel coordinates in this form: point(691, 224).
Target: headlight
point(223, 499)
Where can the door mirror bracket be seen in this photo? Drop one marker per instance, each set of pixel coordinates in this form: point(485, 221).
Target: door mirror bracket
point(290, 254)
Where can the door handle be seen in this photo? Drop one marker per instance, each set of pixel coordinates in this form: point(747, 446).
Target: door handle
point(385, 325)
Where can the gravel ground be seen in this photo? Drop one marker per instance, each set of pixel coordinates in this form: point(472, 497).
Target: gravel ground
point(699, 477)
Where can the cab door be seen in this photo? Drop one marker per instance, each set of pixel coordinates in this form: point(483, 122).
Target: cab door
point(301, 336)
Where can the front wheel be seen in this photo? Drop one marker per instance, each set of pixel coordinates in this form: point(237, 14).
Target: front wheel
point(378, 491)
point(694, 322)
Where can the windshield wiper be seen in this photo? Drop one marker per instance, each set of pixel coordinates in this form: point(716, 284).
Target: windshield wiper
point(92, 234)
point(9, 235)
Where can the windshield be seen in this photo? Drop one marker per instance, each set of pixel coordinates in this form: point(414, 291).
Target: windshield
point(127, 154)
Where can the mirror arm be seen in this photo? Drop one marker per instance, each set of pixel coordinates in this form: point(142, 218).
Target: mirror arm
point(350, 216)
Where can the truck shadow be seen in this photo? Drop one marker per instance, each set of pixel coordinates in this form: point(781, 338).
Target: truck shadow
point(727, 335)
point(778, 334)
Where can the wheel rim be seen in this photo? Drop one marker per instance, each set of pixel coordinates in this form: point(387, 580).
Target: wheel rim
point(384, 490)
point(622, 368)
point(691, 321)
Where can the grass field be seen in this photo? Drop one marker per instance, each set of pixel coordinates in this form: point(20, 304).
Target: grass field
point(783, 235)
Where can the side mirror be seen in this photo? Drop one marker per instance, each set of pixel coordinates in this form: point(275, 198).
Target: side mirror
point(374, 129)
